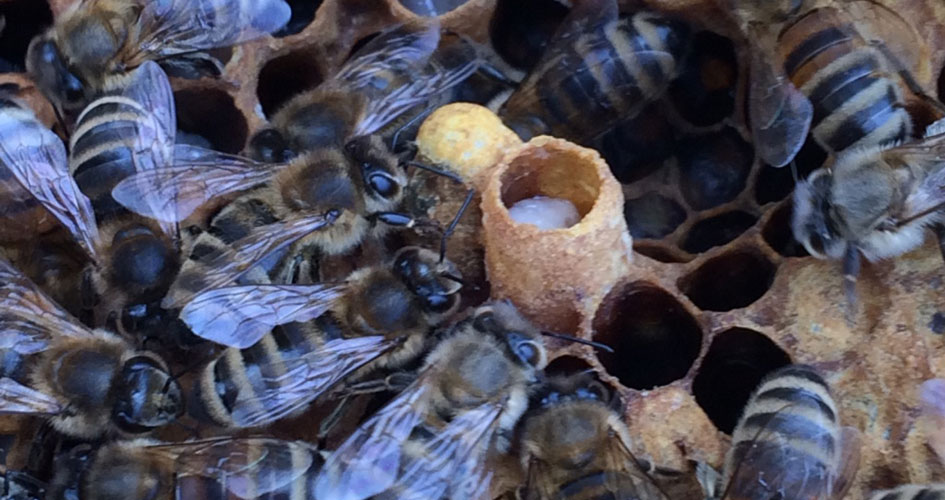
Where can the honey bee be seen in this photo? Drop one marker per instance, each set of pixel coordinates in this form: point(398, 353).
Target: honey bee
point(96, 39)
point(433, 439)
point(574, 444)
point(88, 382)
point(407, 67)
point(254, 467)
point(129, 128)
point(788, 443)
point(819, 75)
point(875, 201)
point(597, 69)
point(379, 319)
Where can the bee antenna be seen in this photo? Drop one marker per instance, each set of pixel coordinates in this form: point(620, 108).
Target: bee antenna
point(396, 137)
point(576, 340)
point(452, 227)
point(435, 170)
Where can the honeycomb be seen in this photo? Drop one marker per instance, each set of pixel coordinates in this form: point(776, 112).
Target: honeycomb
point(716, 293)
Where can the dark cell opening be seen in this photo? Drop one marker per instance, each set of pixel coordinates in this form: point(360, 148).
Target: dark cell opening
point(773, 184)
point(729, 281)
point(941, 85)
point(658, 252)
point(717, 230)
point(22, 20)
point(303, 13)
point(211, 115)
point(566, 365)
point(431, 8)
point(736, 362)
point(655, 340)
point(778, 235)
point(284, 77)
point(704, 92)
point(636, 147)
point(652, 216)
point(714, 167)
point(520, 29)
point(809, 158)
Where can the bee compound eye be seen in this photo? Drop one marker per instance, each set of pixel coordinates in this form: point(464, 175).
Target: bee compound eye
point(485, 322)
point(383, 185)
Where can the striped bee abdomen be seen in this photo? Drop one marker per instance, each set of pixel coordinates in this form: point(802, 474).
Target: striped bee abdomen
point(912, 492)
point(102, 149)
point(607, 73)
point(856, 98)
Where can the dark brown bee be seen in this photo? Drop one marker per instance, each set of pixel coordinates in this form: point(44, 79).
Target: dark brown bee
point(244, 468)
point(575, 445)
point(402, 70)
point(129, 128)
point(433, 439)
point(89, 383)
point(96, 39)
point(820, 74)
point(597, 69)
point(379, 319)
point(788, 443)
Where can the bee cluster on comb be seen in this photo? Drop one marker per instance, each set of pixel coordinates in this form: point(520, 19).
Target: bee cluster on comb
point(470, 249)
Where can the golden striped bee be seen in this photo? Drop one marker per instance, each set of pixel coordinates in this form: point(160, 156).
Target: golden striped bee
point(379, 319)
point(129, 128)
point(820, 74)
point(247, 468)
point(402, 70)
point(788, 443)
point(433, 439)
point(575, 445)
point(912, 492)
point(88, 382)
point(96, 39)
point(874, 201)
point(597, 70)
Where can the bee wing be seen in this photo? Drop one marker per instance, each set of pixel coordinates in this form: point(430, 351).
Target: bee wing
point(926, 155)
point(238, 316)
point(176, 27)
point(151, 140)
point(932, 420)
point(36, 158)
point(293, 383)
point(849, 462)
point(411, 51)
point(368, 462)
point(172, 193)
point(247, 467)
point(17, 398)
point(226, 265)
point(29, 320)
point(453, 463)
point(780, 114)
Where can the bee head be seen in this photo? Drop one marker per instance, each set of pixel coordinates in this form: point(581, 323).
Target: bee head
point(502, 320)
point(812, 221)
point(53, 75)
point(384, 180)
point(147, 396)
point(436, 284)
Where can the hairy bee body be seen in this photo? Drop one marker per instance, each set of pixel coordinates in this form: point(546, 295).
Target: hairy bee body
point(790, 419)
point(598, 72)
point(258, 468)
point(912, 492)
point(856, 96)
point(575, 446)
point(104, 386)
point(401, 300)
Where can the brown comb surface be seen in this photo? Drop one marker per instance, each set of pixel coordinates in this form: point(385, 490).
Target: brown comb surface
point(717, 293)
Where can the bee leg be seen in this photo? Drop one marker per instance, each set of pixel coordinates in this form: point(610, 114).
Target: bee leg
point(331, 420)
point(395, 382)
point(851, 270)
point(940, 234)
point(495, 74)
